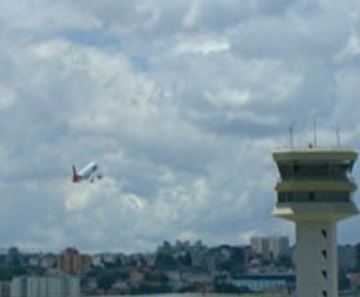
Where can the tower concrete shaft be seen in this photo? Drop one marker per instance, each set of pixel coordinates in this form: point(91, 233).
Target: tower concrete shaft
point(315, 191)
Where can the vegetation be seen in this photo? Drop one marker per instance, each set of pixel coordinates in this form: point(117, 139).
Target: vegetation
point(8, 272)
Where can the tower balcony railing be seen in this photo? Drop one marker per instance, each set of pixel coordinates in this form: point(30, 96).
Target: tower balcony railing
point(329, 178)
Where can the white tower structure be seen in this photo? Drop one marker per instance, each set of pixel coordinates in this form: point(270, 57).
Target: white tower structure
point(315, 191)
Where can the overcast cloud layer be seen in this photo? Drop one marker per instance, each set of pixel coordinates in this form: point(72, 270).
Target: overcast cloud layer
point(181, 102)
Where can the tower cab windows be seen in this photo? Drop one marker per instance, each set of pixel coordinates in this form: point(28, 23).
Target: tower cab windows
point(310, 196)
point(304, 171)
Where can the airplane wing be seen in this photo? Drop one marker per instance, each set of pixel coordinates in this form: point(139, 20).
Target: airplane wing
point(89, 172)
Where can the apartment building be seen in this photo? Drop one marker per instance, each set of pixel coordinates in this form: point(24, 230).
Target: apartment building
point(4, 288)
point(347, 257)
point(270, 247)
point(45, 286)
point(71, 261)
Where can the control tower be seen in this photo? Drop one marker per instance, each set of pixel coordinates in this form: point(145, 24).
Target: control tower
point(315, 191)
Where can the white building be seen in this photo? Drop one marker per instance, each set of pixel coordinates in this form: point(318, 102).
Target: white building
point(270, 247)
point(279, 246)
point(260, 245)
point(4, 289)
point(45, 286)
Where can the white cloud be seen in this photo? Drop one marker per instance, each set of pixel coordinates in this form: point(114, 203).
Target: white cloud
point(192, 16)
point(182, 102)
point(202, 45)
point(351, 49)
point(45, 17)
point(7, 97)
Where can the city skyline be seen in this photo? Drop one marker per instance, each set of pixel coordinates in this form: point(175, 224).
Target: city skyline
point(182, 104)
point(270, 246)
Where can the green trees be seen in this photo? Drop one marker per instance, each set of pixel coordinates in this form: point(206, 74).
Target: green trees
point(165, 261)
point(7, 272)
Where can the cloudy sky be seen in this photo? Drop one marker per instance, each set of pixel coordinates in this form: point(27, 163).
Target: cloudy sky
point(182, 104)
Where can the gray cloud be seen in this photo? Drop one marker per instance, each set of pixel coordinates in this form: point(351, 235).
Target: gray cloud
point(181, 103)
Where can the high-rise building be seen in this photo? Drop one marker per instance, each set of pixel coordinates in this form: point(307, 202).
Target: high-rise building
point(71, 261)
point(4, 288)
point(14, 257)
point(279, 246)
point(315, 191)
point(45, 286)
point(260, 245)
point(347, 257)
point(270, 247)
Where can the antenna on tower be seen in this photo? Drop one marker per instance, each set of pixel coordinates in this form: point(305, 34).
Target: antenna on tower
point(315, 130)
point(291, 134)
point(337, 131)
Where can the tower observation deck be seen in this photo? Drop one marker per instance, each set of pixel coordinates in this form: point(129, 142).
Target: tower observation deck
point(315, 190)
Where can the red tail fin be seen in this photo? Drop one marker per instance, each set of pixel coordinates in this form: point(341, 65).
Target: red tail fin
point(75, 176)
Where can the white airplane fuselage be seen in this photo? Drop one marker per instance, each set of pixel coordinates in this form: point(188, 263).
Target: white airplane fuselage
point(88, 172)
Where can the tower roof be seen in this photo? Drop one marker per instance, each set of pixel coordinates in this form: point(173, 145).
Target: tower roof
point(315, 154)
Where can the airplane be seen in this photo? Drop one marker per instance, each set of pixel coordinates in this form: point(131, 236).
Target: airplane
point(89, 172)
